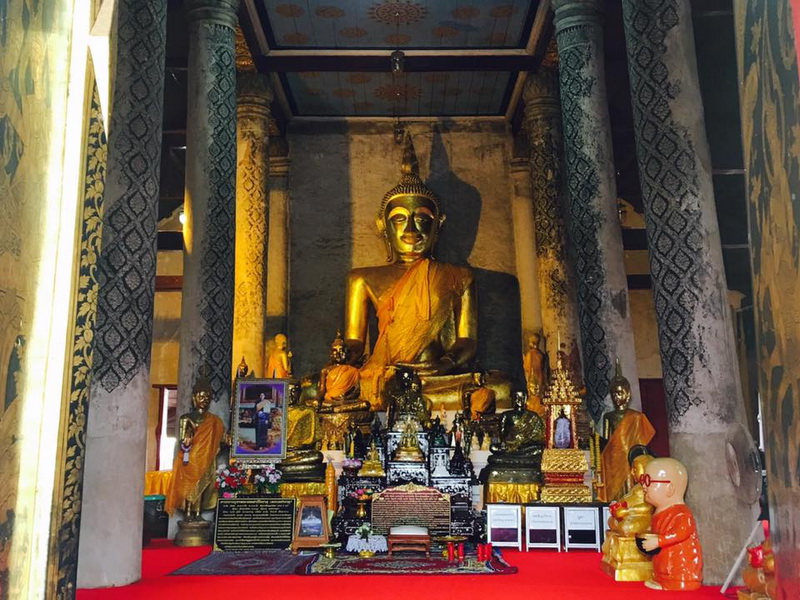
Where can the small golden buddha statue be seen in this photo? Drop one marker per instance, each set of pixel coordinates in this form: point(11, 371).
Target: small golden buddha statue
point(279, 359)
point(372, 466)
point(304, 461)
point(630, 516)
point(408, 449)
point(339, 387)
point(623, 428)
point(534, 362)
point(518, 456)
point(201, 435)
point(426, 310)
point(479, 399)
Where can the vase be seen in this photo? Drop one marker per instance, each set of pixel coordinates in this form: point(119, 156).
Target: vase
point(361, 511)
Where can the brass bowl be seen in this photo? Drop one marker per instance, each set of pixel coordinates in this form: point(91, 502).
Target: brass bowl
point(366, 553)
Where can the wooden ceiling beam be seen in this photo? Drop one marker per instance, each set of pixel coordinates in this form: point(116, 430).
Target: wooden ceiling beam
point(381, 63)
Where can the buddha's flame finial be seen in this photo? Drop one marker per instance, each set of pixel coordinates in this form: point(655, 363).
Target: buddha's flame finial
point(410, 165)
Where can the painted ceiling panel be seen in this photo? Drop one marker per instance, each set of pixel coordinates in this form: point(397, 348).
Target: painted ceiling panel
point(383, 94)
point(413, 24)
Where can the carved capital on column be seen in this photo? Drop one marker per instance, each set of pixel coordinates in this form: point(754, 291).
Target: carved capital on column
point(254, 95)
point(577, 13)
point(221, 12)
point(541, 94)
point(519, 165)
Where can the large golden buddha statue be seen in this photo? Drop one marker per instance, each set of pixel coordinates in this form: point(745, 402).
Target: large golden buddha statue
point(426, 310)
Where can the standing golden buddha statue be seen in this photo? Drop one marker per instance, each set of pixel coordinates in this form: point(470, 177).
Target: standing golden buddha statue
point(534, 363)
point(426, 310)
point(201, 434)
point(623, 428)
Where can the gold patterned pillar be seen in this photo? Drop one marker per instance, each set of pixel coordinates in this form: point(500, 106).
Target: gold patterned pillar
point(252, 206)
point(556, 280)
point(278, 259)
point(525, 246)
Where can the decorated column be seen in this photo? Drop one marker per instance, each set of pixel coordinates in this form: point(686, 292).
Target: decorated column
point(525, 246)
point(278, 260)
point(209, 205)
point(698, 355)
point(595, 234)
point(556, 280)
point(110, 550)
point(252, 206)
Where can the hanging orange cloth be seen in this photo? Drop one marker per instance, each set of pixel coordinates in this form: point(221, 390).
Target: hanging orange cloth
point(634, 429)
point(416, 311)
point(190, 481)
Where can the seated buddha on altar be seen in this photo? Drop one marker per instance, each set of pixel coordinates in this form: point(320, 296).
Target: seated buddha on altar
point(426, 312)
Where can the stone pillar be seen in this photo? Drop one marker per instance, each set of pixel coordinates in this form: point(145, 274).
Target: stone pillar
point(525, 246)
point(595, 235)
point(278, 260)
point(110, 549)
point(252, 206)
point(209, 205)
point(556, 279)
point(698, 356)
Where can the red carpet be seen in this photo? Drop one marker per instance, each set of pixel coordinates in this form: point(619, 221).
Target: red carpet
point(542, 574)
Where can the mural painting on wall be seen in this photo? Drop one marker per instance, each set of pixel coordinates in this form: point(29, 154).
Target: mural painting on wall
point(768, 37)
point(33, 58)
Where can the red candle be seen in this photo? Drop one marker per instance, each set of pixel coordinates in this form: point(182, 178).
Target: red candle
point(488, 552)
point(461, 552)
point(451, 550)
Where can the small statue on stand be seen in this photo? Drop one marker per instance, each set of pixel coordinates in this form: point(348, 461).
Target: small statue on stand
point(304, 461)
point(408, 449)
point(478, 399)
point(534, 362)
point(623, 428)
point(372, 466)
point(517, 457)
point(409, 402)
point(678, 564)
point(279, 360)
point(201, 435)
point(339, 386)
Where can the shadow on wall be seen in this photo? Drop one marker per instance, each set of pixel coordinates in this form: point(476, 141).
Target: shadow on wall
point(499, 312)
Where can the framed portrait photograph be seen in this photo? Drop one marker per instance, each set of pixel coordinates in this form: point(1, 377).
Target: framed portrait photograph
point(311, 524)
point(258, 422)
point(504, 525)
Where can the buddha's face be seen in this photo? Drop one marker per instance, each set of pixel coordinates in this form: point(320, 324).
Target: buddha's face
point(620, 396)
point(338, 354)
point(411, 226)
point(201, 400)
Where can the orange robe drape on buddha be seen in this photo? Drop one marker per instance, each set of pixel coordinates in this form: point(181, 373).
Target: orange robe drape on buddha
point(416, 311)
point(634, 429)
point(189, 481)
point(340, 380)
point(679, 564)
point(481, 401)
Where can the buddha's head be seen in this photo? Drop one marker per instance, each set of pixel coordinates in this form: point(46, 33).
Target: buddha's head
point(519, 400)
point(281, 341)
point(639, 456)
point(338, 350)
point(201, 394)
point(533, 340)
point(620, 389)
point(410, 216)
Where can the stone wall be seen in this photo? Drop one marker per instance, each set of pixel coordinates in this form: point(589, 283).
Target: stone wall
point(338, 177)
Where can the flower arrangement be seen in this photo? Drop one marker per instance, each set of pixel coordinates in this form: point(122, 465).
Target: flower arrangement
point(230, 478)
point(267, 480)
point(362, 494)
point(364, 530)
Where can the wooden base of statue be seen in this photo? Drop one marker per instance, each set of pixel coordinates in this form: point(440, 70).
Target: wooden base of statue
point(622, 559)
point(512, 493)
point(197, 532)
